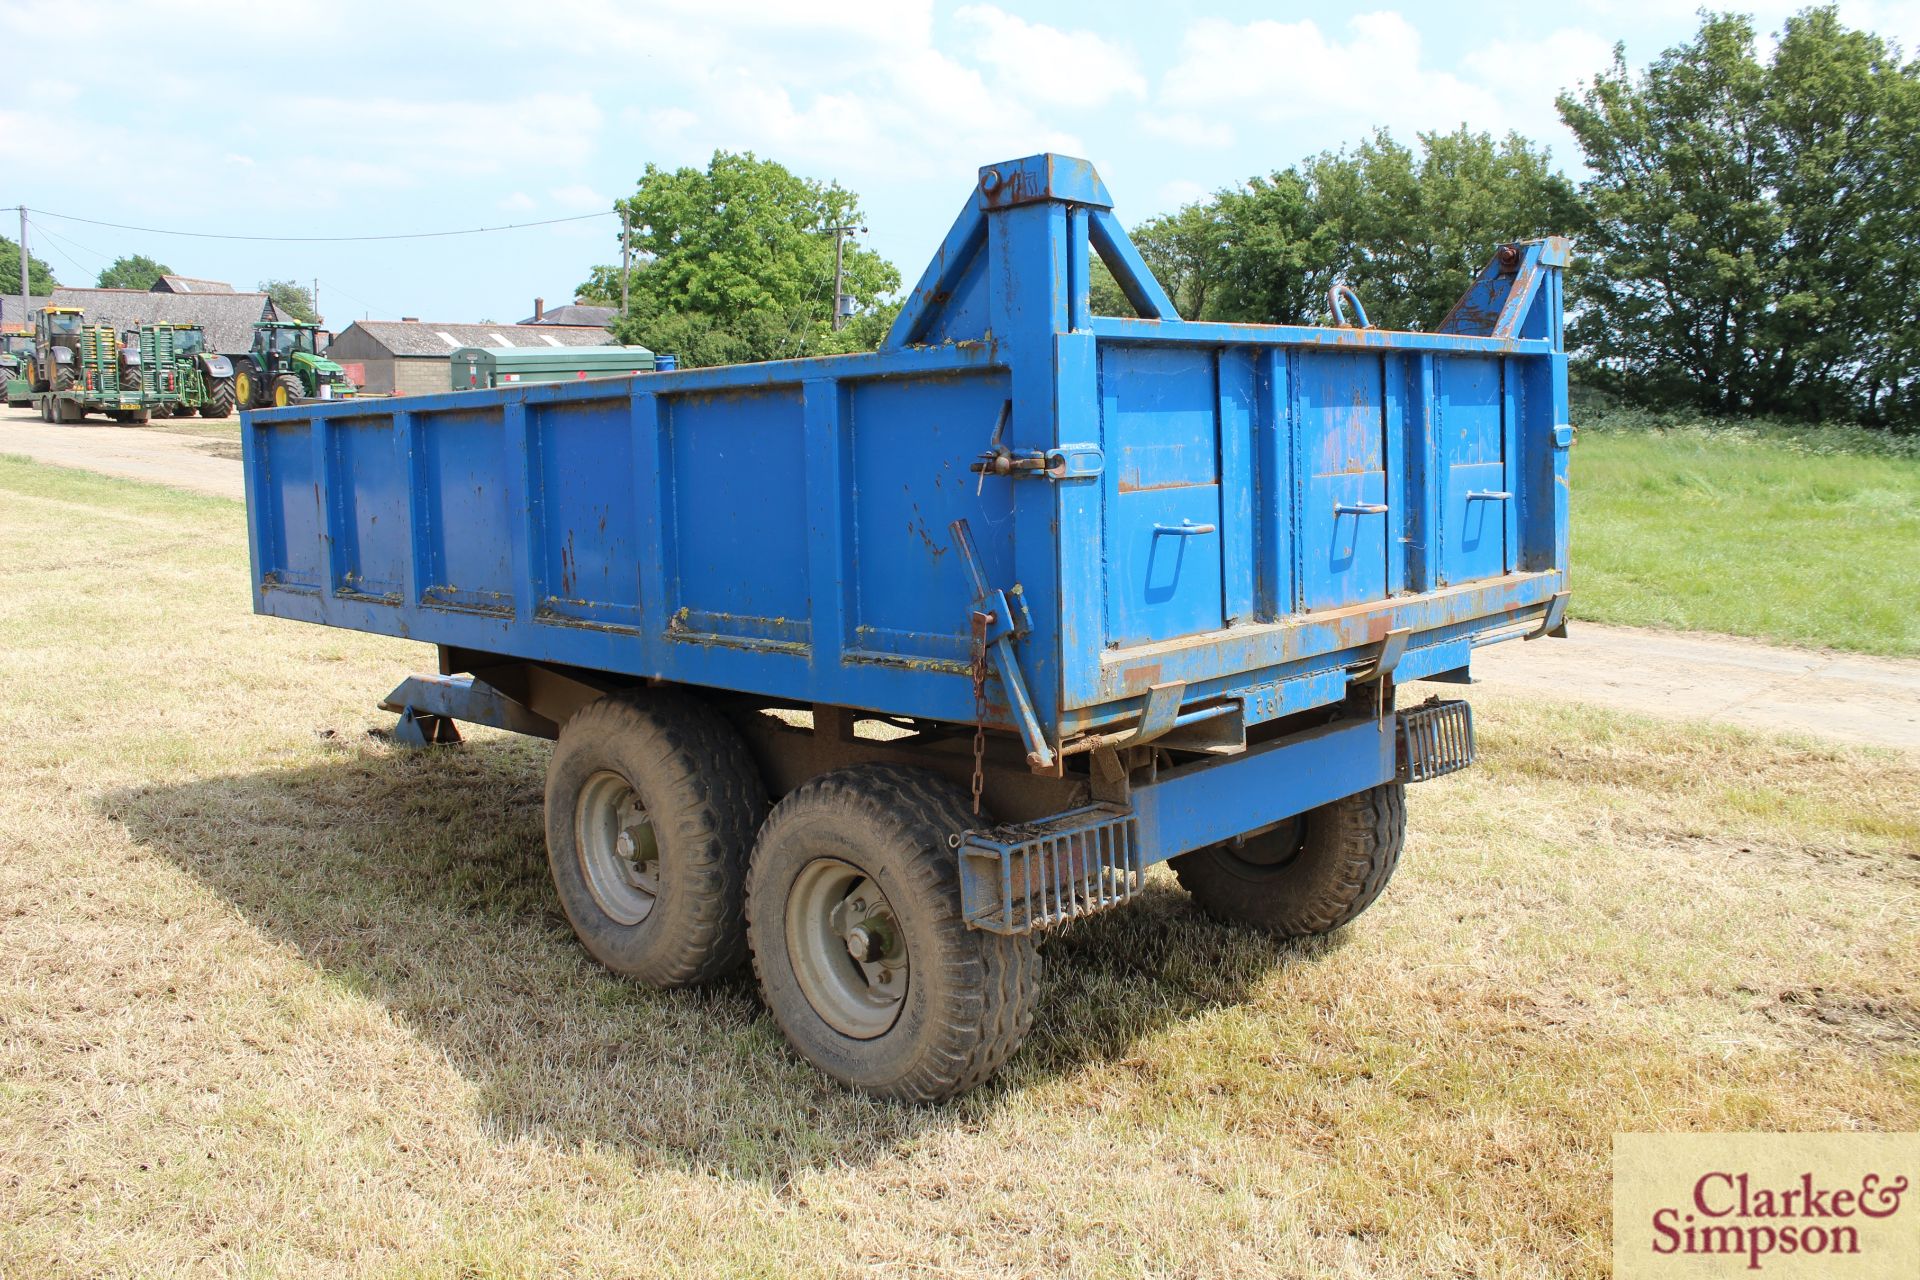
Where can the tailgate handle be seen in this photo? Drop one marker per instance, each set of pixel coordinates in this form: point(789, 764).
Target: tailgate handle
point(1185, 529)
point(1488, 495)
point(1359, 508)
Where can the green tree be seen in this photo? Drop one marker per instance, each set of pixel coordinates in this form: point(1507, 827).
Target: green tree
point(1282, 251)
point(1754, 223)
point(735, 264)
point(1183, 250)
point(1411, 230)
point(40, 281)
point(1407, 229)
point(137, 271)
point(295, 301)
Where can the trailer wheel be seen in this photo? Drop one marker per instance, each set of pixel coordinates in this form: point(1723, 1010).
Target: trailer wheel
point(652, 802)
point(1305, 876)
point(863, 956)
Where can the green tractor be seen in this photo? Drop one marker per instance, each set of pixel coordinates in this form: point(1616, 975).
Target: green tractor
point(177, 364)
point(54, 364)
point(285, 367)
point(16, 354)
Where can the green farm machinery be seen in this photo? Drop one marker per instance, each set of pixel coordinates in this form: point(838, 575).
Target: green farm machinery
point(285, 367)
point(180, 375)
point(16, 353)
point(79, 368)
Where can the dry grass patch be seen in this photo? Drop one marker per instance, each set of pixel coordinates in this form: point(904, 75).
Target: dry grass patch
point(279, 999)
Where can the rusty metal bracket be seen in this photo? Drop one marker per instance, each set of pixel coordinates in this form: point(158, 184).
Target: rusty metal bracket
point(1554, 621)
point(1066, 462)
point(1392, 649)
point(992, 612)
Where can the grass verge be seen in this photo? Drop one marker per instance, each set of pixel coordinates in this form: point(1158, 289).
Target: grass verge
point(282, 1000)
point(1806, 535)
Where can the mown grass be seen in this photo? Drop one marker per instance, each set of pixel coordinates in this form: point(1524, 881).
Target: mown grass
point(280, 1000)
point(1807, 535)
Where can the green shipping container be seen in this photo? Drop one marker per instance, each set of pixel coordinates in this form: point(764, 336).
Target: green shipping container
point(475, 367)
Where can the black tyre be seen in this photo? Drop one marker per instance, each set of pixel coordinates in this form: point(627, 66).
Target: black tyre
point(1308, 875)
point(652, 802)
point(864, 959)
point(286, 390)
point(64, 378)
point(219, 401)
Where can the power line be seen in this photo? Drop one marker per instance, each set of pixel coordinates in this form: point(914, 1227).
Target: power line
point(69, 240)
point(405, 235)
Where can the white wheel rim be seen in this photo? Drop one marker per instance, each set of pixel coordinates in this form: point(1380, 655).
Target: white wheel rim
point(848, 951)
point(618, 849)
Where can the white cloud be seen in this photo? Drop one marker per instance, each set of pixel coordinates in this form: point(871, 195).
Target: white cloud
point(1050, 66)
point(518, 202)
point(1187, 129)
point(1283, 72)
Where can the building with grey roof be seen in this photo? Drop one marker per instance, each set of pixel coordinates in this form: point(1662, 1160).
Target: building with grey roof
point(410, 357)
point(573, 313)
point(228, 318)
point(16, 312)
point(190, 284)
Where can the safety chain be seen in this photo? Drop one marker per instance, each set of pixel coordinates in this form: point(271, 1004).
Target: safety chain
point(980, 621)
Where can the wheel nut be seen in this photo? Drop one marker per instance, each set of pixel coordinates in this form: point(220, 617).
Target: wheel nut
point(860, 944)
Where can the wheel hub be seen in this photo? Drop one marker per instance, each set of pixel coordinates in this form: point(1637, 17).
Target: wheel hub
point(848, 951)
point(619, 851)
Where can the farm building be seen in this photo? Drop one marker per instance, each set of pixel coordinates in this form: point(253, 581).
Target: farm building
point(16, 312)
point(190, 284)
point(228, 318)
point(574, 313)
point(410, 357)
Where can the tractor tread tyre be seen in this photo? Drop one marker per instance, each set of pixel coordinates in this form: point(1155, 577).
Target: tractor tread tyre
point(700, 786)
point(65, 379)
point(1348, 853)
point(970, 994)
point(219, 401)
point(292, 385)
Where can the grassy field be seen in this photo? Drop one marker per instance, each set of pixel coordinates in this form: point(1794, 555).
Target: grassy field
point(279, 999)
point(1803, 535)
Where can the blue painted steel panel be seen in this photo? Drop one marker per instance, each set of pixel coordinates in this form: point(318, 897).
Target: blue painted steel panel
point(739, 517)
point(1345, 514)
point(369, 487)
point(1161, 409)
point(908, 486)
point(1473, 517)
point(585, 529)
point(784, 528)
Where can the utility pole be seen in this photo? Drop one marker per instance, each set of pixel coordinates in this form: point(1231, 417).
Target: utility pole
point(840, 235)
point(316, 299)
point(626, 258)
point(24, 291)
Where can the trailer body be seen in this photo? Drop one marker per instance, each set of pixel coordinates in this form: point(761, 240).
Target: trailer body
point(1173, 569)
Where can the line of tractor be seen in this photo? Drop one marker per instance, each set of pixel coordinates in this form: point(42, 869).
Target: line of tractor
point(70, 368)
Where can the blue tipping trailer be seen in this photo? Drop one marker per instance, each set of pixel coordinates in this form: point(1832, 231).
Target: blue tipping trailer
point(1000, 614)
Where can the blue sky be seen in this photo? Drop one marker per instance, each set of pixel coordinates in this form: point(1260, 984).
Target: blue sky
point(345, 118)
